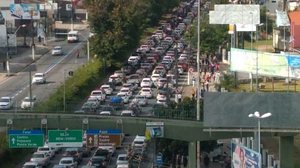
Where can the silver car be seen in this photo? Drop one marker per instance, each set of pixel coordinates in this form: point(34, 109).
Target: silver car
point(57, 50)
point(140, 100)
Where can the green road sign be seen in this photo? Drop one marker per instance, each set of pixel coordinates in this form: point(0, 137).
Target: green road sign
point(65, 138)
point(26, 138)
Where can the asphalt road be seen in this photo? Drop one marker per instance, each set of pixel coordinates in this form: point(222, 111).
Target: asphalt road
point(17, 86)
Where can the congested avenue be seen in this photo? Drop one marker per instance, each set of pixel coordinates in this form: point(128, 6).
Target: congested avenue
point(154, 74)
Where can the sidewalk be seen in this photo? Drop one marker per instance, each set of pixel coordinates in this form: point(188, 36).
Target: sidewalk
point(23, 58)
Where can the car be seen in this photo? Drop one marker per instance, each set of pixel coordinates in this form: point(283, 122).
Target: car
point(129, 113)
point(140, 100)
point(134, 60)
point(105, 113)
point(27, 103)
point(115, 79)
point(70, 162)
point(99, 94)
point(122, 159)
point(131, 86)
point(6, 103)
point(60, 166)
point(161, 82)
point(125, 98)
point(74, 153)
point(111, 147)
point(39, 78)
point(108, 90)
point(47, 150)
point(42, 158)
point(57, 50)
point(147, 92)
point(125, 91)
point(125, 165)
point(146, 82)
point(134, 78)
point(139, 142)
point(162, 101)
point(97, 161)
point(155, 77)
point(103, 153)
point(106, 110)
point(31, 165)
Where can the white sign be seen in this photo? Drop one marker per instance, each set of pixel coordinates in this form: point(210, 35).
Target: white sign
point(68, 7)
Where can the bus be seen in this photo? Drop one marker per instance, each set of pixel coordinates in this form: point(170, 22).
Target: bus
point(73, 36)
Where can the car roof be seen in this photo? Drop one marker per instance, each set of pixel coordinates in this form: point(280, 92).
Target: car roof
point(5, 97)
point(39, 74)
point(67, 158)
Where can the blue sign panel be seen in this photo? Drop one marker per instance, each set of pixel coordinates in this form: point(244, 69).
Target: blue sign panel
point(25, 132)
point(109, 131)
point(159, 159)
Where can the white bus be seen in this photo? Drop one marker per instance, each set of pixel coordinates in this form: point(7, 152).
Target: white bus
point(73, 37)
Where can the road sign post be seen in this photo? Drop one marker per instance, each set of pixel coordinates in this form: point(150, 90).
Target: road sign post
point(65, 138)
point(26, 138)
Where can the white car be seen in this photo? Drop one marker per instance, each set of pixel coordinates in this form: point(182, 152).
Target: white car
point(140, 100)
point(31, 165)
point(68, 161)
point(155, 77)
point(108, 90)
point(125, 91)
point(57, 50)
point(99, 94)
point(6, 103)
point(146, 82)
point(129, 113)
point(122, 159)
point(27, 103)
point(125, 98)
point(105, 113)
point(161, 82)
point(147, 92)
point(47, 150)
point(39, 78)
point(115, 79)
point(162, 102)
point(42, 158)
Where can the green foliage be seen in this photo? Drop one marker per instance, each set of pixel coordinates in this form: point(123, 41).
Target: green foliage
point(211, 36)
point(227, 82)
point(119, 24)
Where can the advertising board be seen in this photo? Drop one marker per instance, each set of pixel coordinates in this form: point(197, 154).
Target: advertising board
point(243, 157)
point(155, 129)
point(268, 64)
point(24, 11)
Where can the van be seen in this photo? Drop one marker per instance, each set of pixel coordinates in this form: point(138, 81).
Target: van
point(73, 36)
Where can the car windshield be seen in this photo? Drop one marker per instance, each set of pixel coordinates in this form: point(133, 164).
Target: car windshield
point(38, 75)
point(96, 93)
point(27, 99)
point(105, 87)
point(44, 149)
point(57, 48)
point(146, 80)
point(146, 90)
point(4, 100)
point(66, 162)
point(122, 158)
point(29, 166)
point(97, 159)
point(140, 98)
point(37, 155)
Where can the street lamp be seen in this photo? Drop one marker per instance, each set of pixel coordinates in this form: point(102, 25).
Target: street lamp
point(258, 117)
point(7, 47)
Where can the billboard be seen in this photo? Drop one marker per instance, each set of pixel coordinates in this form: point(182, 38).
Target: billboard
point(235, 14)
point(24, 11)
point(155, 129)
point(244, 157)
point(268, 64)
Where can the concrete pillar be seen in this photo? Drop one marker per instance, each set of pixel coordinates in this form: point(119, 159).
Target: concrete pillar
point(264, 157)
point(192, 155)
point(286, 152)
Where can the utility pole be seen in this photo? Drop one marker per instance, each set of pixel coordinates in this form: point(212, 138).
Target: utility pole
point(7, 51)
point(30, 89)
point(32, 36)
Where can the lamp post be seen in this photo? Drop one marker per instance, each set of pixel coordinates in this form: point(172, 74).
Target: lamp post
point(7, 47)
point(33, 24)
point(251, 47)
point(259, 117)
